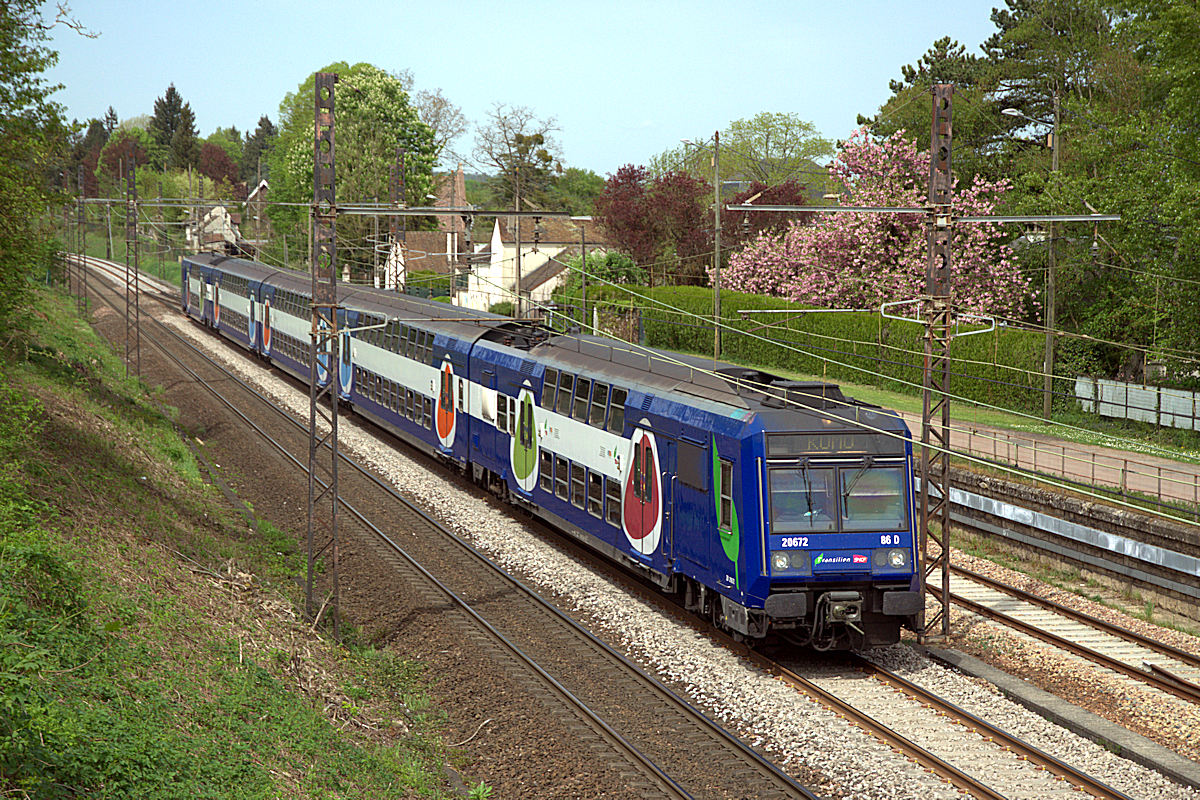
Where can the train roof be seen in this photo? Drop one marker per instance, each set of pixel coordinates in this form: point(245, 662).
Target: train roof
point(663, 372)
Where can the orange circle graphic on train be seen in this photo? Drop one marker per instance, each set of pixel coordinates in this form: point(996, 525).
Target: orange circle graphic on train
point(445, 417)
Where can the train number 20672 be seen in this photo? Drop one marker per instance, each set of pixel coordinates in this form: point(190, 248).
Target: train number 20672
point(795, 541)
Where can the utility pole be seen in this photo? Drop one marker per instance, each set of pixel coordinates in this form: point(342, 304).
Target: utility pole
point(517, 207)
point(82, 242)
point(1048, 361)
point(716, 246)
point(323, 348)
point(133, 341)
point(935, 402)
point(583, 271)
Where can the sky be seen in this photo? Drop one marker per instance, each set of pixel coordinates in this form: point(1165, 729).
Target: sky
point(623, 80)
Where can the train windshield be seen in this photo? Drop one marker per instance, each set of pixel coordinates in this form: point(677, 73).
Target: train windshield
point(873, 499)
point(803, 500)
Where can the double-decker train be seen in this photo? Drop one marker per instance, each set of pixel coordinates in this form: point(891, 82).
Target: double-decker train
point(776, 508)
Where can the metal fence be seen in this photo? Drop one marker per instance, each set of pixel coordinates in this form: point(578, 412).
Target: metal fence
point(1168, 408)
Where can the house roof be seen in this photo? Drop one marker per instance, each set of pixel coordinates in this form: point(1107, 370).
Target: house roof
point(426, 250)
point(554, 231)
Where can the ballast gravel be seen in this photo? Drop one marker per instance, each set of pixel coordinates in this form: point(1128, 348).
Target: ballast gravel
point(763, 710)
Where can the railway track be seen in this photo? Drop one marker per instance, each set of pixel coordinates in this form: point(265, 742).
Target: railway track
point(1135, 657)
point(554, 658)
point(1006, 775)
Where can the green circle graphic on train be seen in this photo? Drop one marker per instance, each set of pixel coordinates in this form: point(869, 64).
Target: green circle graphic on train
point(525, 442)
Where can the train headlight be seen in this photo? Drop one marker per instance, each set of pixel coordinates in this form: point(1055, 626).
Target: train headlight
point(780, 561)
point(898, 558)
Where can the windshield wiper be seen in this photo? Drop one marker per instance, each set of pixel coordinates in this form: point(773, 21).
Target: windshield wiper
point(854, 481)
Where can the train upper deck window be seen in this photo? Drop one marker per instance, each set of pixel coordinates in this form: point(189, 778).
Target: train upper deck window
point(549, 388)
point(583, 389)
point(599, 398)
point(616, 412)
point(566, 388)
point(802, 500)
point(873, 499)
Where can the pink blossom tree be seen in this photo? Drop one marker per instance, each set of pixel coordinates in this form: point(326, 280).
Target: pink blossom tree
point(861, 260)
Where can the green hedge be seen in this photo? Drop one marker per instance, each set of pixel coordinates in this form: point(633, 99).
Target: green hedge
point(998, 368)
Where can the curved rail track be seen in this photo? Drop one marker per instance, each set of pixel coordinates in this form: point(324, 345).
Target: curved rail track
point(665, 730)
point(990, 784)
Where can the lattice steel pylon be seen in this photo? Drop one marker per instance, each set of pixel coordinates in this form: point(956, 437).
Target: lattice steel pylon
point(935, 405)
point(133, 340)
point(323, 352)
point(81, 298)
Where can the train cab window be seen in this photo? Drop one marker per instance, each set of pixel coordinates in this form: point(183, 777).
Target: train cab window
point(616, 411)
point(549, 388)
point(599, 398)
point(595, 494)
point(502, 414)
point(561, 480)
point(566, 387)
point(577, 485)
point(802, 500)
point(873, 498)
point(726, 500)
point(583, 388)
point(546, 470)
point(612, 502)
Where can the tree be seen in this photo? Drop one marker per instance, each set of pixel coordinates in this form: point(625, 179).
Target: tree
point(214, 162)
point(185, 147)
point(168, 111)
point(769, 148)
point(862, 260)
point(87, 154)
point(230, 140)
point(122, 148)
point(374, 123)
point(520, 148)
point(110, 120)
point(445, 119)
point(575, 191)
point(33, 126)
point(256, 150)
point(737, 229)
point(658, 219)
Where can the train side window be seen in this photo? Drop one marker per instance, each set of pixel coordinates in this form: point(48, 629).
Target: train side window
point(549, 387)
point(561, 484)
point(566, 386)
point(595, 494)
point(582, 392)
point(599, 398)
point(428, 401)
point(577, 485)
point(408, 404)
point(462, 395)
point(427, 356)
point(502, 414)
point(726, 504)
point(616, 411)
point(612, 502)
point(546, 470)
point(512, 415)
point(583, 388)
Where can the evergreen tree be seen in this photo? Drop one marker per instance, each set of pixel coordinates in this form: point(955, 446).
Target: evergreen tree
point(256, 148)
point(168, 110)
point(110, 120)
point(185, 147)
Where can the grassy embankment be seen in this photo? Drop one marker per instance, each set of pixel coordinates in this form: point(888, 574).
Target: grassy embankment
point(149, 645)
